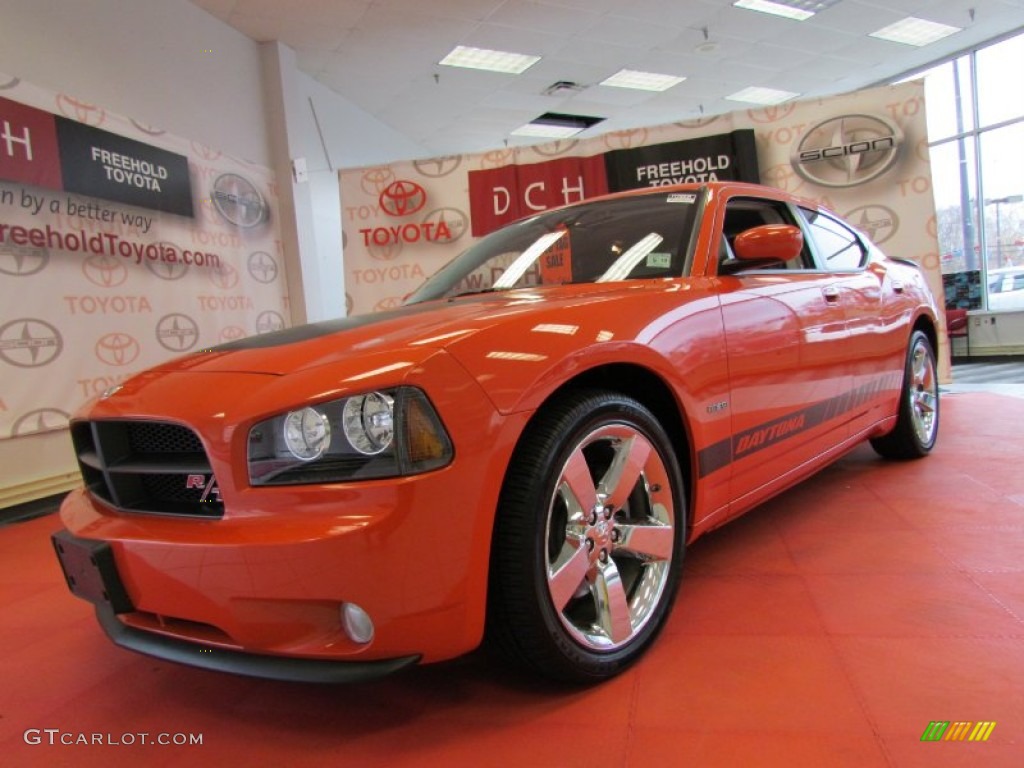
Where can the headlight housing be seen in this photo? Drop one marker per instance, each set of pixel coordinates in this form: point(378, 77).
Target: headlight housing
point(385, 433)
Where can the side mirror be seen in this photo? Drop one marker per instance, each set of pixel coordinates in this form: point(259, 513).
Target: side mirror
point(769, 242)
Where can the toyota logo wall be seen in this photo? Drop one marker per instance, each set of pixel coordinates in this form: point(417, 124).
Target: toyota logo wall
point(121, 246)
point(863, 154)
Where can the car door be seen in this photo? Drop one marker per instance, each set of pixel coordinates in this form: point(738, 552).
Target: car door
point(786, 340)
point(875, 315)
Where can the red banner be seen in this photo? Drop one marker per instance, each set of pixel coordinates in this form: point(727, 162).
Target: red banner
point(501, 195)
point(28, 146)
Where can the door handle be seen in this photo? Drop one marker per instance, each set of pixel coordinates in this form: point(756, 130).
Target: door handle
point(897, 286)
point(830, 292)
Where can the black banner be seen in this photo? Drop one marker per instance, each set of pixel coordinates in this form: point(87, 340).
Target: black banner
point(111, 167)
point(724, 157)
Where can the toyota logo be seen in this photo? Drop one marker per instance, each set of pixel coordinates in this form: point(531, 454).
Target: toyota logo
point(177, 332)
point(772, 114)
point(231, 333)
point(23, 260)
point(104, 271)
point(223, 276)
point(387, 251)
point(30, 343)
point(847, 151)
point(555, 148)
point(879, 222)
point(635, 137)
point(375, 180)
point(149, 130)
point(80, 111)
point(117, 349)
point(238, 201)
point(167, 270)
point(402, 198)
point(262, 267)
point(12, 83)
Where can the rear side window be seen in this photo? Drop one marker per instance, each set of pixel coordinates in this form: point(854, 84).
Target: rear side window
point(838, 247)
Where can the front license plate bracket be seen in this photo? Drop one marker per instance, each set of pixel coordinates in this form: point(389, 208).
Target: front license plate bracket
point(91, 572)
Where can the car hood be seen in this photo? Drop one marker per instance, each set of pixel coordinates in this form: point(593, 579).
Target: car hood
point(430, 325)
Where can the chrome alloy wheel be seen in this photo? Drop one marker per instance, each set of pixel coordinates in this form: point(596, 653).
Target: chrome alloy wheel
point(923, 392)
point(610, 535)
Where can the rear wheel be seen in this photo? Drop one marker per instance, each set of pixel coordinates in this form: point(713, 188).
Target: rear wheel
point(588, 540)
point(917, 424)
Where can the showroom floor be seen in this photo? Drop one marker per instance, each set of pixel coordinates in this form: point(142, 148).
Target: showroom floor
point(828, 628)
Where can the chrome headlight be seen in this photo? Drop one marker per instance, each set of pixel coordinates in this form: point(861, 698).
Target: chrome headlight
point(387, 433)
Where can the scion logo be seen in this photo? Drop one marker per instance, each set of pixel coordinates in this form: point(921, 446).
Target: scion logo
point(117, 349)
point(231, 333)
point(773, 113)
point(437, 167)
point(847, 151)
point(879, 222)
point(80, 111)
point(104, 271)
point(224, 276)
point(376, 180)
point(269, 321)
point(455, 224)
point(238, 201)
point(402, 198)
point(555, 148)
point(262, 267)
point(30, 343)
point(167, 270)
point(22, 260)
point(177, 332)
point(40, 420)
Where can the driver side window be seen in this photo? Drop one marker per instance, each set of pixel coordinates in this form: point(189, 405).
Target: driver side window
point(742, 214)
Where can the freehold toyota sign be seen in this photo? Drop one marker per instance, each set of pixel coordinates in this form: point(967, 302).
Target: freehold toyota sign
point(54, 152)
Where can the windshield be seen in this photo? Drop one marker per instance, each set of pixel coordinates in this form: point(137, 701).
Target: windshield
point(630, 238)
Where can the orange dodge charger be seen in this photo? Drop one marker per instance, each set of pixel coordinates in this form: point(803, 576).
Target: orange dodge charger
point(523, 450)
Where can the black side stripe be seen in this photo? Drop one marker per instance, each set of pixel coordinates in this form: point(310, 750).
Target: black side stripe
point(719, 455)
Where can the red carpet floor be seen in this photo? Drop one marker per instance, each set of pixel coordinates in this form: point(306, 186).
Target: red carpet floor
point(828, 628)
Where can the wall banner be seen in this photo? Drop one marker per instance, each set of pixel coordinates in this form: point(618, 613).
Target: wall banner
point(723, 157)
point(121, 246)
point(864, 155)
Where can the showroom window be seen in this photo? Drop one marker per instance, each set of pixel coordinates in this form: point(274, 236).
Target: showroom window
point(975, 132)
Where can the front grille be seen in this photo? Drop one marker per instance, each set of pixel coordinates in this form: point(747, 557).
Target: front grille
point(147, 466)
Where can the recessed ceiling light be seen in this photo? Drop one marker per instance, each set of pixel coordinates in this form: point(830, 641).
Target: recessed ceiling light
point(642, 81)
point(765, 96)
point(492, 61)
point(552, 125)
point(915, 31)
point(775, 9)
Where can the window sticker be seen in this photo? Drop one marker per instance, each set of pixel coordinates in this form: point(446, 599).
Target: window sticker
point(681, 197)
point(659, 260)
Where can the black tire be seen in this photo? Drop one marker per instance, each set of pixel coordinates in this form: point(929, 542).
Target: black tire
point(595, 472)
point(917, 422)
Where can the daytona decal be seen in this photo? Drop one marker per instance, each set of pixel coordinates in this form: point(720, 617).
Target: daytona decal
point(719, 455)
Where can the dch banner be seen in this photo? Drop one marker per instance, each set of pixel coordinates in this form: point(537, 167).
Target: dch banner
point(121, 246)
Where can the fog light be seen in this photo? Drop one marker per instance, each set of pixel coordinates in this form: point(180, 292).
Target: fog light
point(357, 623)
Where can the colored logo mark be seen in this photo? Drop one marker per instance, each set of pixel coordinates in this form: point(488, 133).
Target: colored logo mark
point(965, 730)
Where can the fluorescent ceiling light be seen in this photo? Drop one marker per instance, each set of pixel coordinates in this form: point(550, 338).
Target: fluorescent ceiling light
point(914, 31)
point(492, 61)
point(775, 9)
point(642, 81)
point(765, 96)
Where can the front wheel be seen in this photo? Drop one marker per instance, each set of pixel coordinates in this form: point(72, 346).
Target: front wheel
point(588, 541)
point(917, 423)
